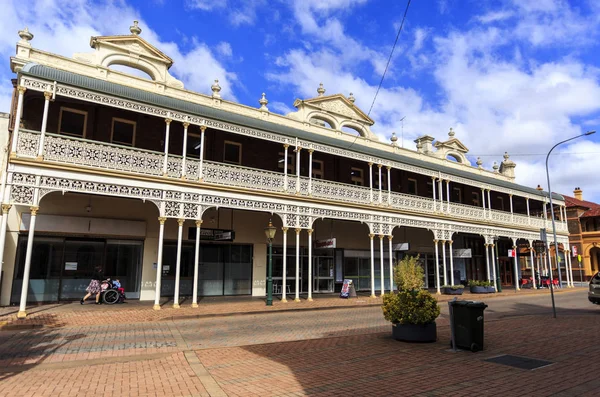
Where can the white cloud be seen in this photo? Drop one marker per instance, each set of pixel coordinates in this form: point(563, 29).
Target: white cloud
point(64, 28)
point(239, 12)
point(224, 48)
point(495, 16)
point(207, 5)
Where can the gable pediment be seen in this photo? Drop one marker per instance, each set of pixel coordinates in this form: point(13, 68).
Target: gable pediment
point(453, 144)
point(132, 44)
point(337, 104)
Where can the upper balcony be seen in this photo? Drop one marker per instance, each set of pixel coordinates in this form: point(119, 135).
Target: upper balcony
point(60, 149)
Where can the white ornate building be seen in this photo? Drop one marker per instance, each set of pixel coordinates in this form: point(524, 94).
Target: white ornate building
point(170, 190)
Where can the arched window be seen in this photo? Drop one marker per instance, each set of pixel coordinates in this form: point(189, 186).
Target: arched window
point(321, 122)
point(131, 70)
point(351, 130)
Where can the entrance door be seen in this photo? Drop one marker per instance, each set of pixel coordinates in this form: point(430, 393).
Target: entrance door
point(506, 272)
point(323, 274)
point(80, 259)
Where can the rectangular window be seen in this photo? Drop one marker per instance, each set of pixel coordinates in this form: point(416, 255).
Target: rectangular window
point(457, 195)
point(192, 149)
point(357, 176)
point(232, 152)
point(291, 162)
point(317, 169)
point(429, 189)
point(501, 203)
point(475, 199)
point(383, 179)
point(412, 186)
point(123, 132)
point(72, 122)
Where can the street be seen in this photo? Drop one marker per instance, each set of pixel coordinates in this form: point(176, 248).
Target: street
point(316, 352)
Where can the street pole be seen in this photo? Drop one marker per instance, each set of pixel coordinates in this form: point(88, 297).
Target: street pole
point(580, 275)
point(498, 283)
point(552, 207)
point(270, 276)
point(552, 284)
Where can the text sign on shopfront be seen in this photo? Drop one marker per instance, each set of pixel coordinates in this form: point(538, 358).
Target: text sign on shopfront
point(212, 234)
point(401, 247)
point(462, 253)
point(327, 243)
point(574, 251)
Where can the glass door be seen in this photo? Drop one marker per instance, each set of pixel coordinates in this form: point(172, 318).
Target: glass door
point(323, 274)
point(80, 259)
point(124, 263)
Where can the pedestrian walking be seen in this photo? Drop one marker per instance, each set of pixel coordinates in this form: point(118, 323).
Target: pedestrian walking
point(94, 286)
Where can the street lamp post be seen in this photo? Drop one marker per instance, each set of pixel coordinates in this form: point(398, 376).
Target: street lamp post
point(270, 234)
point(552, 206)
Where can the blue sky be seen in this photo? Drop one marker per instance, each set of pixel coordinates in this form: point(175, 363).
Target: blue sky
point(506, 75)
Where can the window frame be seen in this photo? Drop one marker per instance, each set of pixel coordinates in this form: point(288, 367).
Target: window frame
point(195, 153)
point(124, 121)
point(239, 145)
point(383, 179)
point(475, 199)
point(357, 180)
point(416, 184)
point(291, 162)
point(501, 201)
point(318, 174)
point(76, 111)
point(459, 191)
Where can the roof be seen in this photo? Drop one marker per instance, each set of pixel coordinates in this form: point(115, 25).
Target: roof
point(106, 87)
point(591, 209)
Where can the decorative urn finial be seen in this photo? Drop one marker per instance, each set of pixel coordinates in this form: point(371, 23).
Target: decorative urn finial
point(135, 29)
point(495, 167)
point(506, 156)
point(263, 102)
point(451, 133)
point(321, 90)
point(216, 89)
point(351, 98)
point(394, 139)
point(479, 162)
point(25, 34)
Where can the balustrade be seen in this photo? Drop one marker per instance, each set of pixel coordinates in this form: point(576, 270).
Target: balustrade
point(76, 151)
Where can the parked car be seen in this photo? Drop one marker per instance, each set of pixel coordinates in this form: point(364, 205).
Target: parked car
point(594, 292)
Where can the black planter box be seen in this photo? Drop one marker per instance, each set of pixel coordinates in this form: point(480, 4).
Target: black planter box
point(415, 333)
point(450, 291)
point(482, 290)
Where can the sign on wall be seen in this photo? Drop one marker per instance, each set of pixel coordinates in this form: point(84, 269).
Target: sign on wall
point(212, 234)
point(574, 251)
point(462, 253)
point(401, 247)
point(512, 253)
point(327, 243)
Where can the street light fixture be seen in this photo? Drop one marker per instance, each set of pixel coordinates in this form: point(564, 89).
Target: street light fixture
point(552, 206)
point(270, 234)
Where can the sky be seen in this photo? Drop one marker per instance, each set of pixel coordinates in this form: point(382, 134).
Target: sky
point(507, 75)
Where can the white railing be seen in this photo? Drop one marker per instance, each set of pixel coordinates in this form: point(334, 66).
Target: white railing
point(76, 151)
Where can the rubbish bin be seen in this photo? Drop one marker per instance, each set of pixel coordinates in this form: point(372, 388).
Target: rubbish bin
point(466, 322)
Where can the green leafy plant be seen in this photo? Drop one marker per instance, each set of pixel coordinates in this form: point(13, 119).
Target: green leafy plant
point(459, 286)
point(480, 283)
point(408, 274)
point(410, 307)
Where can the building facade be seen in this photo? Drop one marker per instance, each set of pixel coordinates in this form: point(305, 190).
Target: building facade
point(583, 219)
point(170, 190)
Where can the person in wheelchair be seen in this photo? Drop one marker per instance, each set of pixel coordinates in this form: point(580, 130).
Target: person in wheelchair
point(112, 292)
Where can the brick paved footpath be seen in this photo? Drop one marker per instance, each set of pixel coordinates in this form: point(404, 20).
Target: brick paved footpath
point(74, 314)
point(351, 352)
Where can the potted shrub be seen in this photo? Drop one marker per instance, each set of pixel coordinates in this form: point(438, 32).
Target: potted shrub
point(481, 287)
point(453, 289)
point(412, 311)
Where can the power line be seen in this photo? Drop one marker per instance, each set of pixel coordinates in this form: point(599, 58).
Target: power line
point(387, 65)
point(530, 154)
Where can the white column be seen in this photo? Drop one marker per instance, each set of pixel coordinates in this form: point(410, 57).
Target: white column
point(380, 191)
point(389, 198)
point(381, 264)
point(437, 268)
point(196, 261)
point(178, 263)
point(284, 272)
point(297, 297)
point(298, 150)
point(516, 265)
point(183, 166)
point(539, 258)
point(161, 234)
point(15, 137)
point(310, 166)
point(371, 181)
point(448, 195)
point(310, 274)
point(433, 181)
point(390, 238)
point(451, 263)
point(285, 167)
point(494, 266)
point(532, 265)
point(3, 221)
point(528, 214)
point(512, 214)
point(487, 262)
point(566, 253)
point(489, 203)
point(441, 190)
point(570, 267)
point(483, 200)
point(371, 236)
point(167, 131)
point(560, 212)
point(47, 97)
point(444, 261)
point(201, 165)
point(25, 287)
